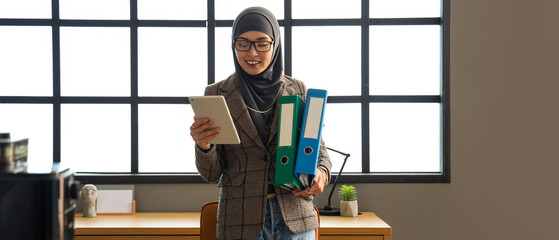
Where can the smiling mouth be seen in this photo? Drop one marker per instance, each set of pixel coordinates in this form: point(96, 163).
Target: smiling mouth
point(252, 63)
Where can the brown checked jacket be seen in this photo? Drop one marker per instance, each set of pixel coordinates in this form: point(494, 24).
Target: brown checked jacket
point(243, 171)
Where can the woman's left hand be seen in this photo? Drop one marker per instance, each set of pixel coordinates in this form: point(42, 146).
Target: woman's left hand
point(319, 182)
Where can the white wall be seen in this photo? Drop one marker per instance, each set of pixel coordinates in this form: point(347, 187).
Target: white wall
point(504, 136)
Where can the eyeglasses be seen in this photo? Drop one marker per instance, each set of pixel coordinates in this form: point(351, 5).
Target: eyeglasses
point(260, 46)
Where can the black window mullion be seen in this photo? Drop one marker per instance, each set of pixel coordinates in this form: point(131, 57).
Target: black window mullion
point(326, 22)
point(95, 23)
point(222, 23)
point(211, 41)
point(445, 97)
point(25, 99)
point(288, 30)
point(405, 98)
point(172, 23)
point(26, 22)
point(405, 21)
point(365, 136)
point(134, 85)
point(56, 129)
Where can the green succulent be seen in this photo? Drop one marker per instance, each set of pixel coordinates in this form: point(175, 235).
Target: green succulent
point(348, 193)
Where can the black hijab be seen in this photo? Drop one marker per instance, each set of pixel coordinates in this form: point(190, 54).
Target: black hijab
point(260, 91)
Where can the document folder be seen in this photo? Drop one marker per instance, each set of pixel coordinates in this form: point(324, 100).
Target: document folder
point(309, 140)
point(291, 114)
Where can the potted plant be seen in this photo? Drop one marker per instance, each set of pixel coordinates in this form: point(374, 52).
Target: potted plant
point(348, 201)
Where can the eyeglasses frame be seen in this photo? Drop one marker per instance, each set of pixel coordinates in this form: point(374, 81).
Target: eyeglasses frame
point(251, 44)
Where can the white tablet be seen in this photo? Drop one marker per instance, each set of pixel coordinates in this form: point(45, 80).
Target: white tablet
point(215, 108)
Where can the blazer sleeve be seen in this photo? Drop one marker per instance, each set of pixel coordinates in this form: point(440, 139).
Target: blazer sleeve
point(324, 162)
point(208, 162)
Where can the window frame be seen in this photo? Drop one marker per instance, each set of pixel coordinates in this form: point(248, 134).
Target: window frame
point(134, 177)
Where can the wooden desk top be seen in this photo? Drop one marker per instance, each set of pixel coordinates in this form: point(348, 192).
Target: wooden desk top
point(189, 224)
point(186, 223)
point(367, 223)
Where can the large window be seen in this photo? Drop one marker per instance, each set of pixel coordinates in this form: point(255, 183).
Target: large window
point(102, 86)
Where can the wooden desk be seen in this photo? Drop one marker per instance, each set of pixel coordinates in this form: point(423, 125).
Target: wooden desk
point(186, 226)
point(365, 226)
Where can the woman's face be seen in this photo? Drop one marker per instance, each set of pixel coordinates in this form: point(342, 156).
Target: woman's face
point(252, 61)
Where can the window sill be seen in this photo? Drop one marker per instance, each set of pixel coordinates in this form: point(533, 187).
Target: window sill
point(146, 178)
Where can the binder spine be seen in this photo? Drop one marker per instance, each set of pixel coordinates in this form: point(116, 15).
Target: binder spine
point(310, 136)
point(291, 113)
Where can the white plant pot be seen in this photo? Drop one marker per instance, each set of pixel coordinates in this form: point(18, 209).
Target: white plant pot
point(348, 208)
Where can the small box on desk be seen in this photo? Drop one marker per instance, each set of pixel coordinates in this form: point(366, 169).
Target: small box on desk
point(116, 199)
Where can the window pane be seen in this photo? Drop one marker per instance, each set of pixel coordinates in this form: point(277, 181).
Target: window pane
point(25, 60)
point(405, 137)
point(405, 60)
point(224, 65)
point(165, 144)
point(328, 58)
point(172, 61)
point(326, 9)
point(227, 9)
point(172, 9)
point(95, 137)
point(95, 61)
point(33, 121)
point(404, 8)
point(342, 132)
point(25, 9)
point(98, 9)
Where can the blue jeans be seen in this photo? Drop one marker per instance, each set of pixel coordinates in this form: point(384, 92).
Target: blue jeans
point(275, 228)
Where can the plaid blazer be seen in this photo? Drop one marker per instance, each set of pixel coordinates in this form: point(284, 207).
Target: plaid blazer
point(244, 170)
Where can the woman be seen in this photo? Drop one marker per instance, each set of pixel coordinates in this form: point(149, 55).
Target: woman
point(250, 206)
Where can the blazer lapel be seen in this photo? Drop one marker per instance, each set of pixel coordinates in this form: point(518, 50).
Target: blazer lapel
point(239, 110)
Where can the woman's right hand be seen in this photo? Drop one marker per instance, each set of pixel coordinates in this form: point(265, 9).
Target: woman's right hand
point(202, 132)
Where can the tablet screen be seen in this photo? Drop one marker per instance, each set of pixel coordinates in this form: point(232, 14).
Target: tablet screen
point(215, 108)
